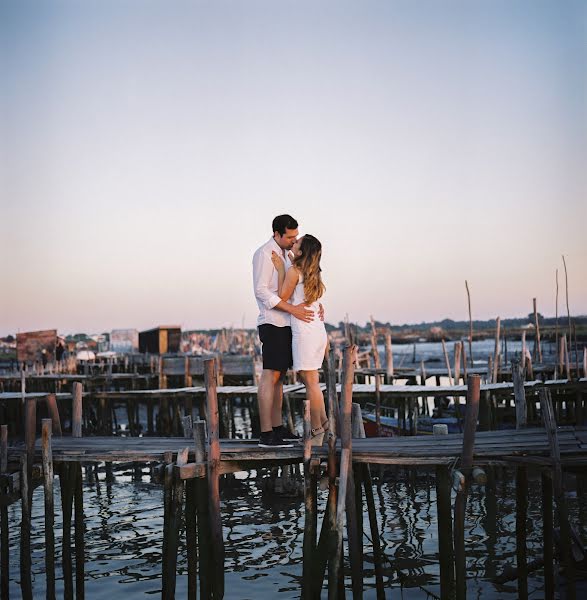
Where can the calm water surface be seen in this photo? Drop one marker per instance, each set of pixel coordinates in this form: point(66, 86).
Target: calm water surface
point(264, 533)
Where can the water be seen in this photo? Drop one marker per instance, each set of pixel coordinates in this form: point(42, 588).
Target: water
point(432, 354)
point(263, 536)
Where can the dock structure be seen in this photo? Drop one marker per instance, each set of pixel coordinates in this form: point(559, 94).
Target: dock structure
point(189, 468)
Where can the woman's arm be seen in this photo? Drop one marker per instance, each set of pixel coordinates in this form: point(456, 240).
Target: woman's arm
point(289, 285)
point(280, 268)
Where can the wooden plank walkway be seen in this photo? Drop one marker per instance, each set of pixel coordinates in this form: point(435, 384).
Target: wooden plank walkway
point(491, 446)
point(298, 391)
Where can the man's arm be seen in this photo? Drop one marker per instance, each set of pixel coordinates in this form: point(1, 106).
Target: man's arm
point(299, 311)
point(262, 273)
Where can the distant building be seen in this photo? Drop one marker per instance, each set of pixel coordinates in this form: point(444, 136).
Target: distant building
point(34, 346)
point(124, 341)
point(160, 340)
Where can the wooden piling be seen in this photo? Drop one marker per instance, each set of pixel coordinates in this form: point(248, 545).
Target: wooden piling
point(29, 436)
point(174, 522)
point(76, 419)
point(473, 387)
point(445, 533)
point(521, 517)
point(47, 457)
point(388, 357)
point(217, 541)
point(51, 401)
point(4, 537)
point(537, 351)
point(457, 364)
point(25, 530)
point(187, 374)
point(464, 353)
point(167, 508)
point(191, 538)
point(548, 536)
point(374, 350)
point(496, 352)
point(331, 515)
point(519, 393)
point(334, 571)
point(311, 510)
point(65, 484)
point(559, 494)
point(470, 325)
point(568, 313)
point(447, 362)
point(79, 530)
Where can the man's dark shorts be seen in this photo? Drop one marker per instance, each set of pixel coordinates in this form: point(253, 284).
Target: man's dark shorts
point(276, 342)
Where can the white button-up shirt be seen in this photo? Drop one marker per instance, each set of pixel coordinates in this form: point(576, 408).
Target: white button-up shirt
point(265, 282)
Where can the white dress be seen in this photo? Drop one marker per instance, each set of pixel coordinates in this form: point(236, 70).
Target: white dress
point(308, 339)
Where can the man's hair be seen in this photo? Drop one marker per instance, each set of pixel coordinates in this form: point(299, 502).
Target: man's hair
point(283, 222)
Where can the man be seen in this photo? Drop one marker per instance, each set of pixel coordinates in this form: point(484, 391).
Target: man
point(274, 330)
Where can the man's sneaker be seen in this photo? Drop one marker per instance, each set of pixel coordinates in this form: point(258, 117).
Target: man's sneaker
point(285, 433)
point(270, 439)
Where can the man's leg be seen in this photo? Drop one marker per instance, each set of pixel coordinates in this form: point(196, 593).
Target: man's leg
point(276, 410)
point(265, 395)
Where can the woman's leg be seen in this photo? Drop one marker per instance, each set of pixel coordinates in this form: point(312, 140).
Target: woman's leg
point(315, 396)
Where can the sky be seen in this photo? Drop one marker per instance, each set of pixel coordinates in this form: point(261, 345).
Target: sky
point(145, 148)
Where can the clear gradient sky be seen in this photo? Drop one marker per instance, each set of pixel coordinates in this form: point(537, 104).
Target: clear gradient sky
point(146, 146)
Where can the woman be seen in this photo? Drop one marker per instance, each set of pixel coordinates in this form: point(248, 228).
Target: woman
point(303, 282)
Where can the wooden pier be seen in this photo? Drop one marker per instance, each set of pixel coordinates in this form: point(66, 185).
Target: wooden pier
point(189, 468)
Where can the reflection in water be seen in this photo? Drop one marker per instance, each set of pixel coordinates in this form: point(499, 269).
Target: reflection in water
point(264, 534)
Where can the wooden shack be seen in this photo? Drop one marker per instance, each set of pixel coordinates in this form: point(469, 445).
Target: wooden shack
point(124, 341)
point(160, 340)
point(32, 345)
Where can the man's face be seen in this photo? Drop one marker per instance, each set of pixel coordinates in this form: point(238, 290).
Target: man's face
point(287, 240)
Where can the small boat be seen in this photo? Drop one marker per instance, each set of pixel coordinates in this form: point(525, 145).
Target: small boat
point(391, 426)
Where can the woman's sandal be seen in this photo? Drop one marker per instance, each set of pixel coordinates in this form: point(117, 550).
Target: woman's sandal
point(316, 437)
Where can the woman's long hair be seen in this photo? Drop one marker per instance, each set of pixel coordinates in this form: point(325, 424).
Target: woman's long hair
point(308, 264)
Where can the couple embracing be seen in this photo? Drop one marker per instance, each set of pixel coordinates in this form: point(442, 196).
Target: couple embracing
point(288, 285)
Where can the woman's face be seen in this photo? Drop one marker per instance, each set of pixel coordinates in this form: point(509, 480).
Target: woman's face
point(296, 248)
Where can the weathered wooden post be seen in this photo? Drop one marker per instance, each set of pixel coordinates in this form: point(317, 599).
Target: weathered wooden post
point(519, 393)
point(559, 495)
point(521, 516)
point(76, 416)
point(187, 376)
point(334, 569)
point(191, 521)
point(74, 495)
point(167, 509)
point(176, 484)
point(548, 535)
point(444, 522)
point(388, 357)
point(4, 538)
point(447, 362)
point(311, 509)
point(537, 353)
point(217, 541)
point(470, 325)
point(473, 387)
point(334, 421)
point(496, 352)
point(51, 402)
point(374, 349)
point(25, 530)
point(457, 349)
point(47, 455)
